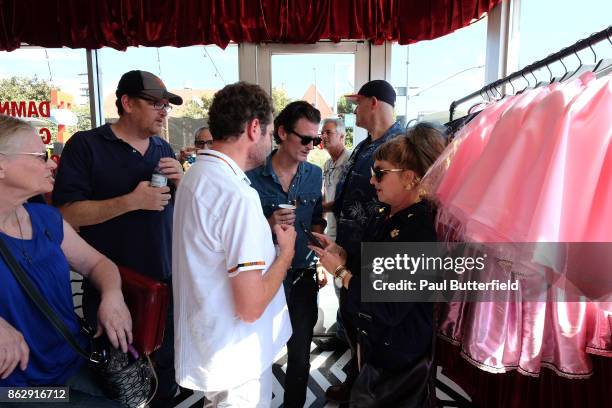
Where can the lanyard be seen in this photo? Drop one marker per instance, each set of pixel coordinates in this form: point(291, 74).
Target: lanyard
point(220, 158)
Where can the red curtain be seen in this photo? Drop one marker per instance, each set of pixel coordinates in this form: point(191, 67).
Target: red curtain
point(123, 23)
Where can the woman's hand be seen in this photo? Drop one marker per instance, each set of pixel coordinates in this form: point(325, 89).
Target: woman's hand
point(13, 349)
point(114, 318)
point(331, 246)
point(329, 260)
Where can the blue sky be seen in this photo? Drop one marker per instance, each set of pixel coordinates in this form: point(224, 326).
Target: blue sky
point(546, 26)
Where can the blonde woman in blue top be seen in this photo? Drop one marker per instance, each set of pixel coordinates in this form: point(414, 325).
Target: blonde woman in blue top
point(32, 351)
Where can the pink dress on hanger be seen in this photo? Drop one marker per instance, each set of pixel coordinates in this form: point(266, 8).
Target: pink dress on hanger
point(517, 187)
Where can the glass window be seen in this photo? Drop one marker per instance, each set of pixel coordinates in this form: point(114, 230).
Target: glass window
point(47, 87)
point(195, 73)
point(321, 79)
point(430, 75)
point(547, 26)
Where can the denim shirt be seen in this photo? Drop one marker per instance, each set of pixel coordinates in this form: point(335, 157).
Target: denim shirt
point(305, 189)
point(356, 199)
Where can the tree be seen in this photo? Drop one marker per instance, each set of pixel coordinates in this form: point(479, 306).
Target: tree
point(197, 109)
point(348, 138)
point(84, 117)
point(28, 89)
point(345, 106)
point(280, 99)
point(24, 89)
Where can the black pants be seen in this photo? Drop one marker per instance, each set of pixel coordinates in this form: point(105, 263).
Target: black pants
point(303, 311)
point(350, 332)
point(163, 358)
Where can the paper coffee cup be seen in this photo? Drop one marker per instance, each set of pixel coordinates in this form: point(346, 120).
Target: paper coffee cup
point(287, 207)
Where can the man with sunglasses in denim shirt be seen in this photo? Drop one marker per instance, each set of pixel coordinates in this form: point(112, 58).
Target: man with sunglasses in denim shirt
point(103, 190)
point(356, 200)
point(287, 178)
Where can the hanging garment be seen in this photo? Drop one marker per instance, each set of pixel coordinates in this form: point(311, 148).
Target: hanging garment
point(535, 172)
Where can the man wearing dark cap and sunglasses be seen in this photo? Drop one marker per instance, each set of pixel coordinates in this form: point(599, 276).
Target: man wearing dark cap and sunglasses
point(355, 200)
point(103, 189)
point(288, 180)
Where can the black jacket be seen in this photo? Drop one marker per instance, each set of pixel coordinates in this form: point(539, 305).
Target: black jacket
point(394, 334)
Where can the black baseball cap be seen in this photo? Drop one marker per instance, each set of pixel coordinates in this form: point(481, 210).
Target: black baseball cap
point(138, 82)
point(378, 88)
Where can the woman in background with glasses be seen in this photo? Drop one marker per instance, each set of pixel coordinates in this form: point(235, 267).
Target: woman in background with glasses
point(32, 351)
point(395, 338)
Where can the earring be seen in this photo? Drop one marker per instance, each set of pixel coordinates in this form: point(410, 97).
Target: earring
point(415, 182)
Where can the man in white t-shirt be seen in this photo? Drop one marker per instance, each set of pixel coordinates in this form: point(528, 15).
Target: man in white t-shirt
point(333, 134)
point(231, 317)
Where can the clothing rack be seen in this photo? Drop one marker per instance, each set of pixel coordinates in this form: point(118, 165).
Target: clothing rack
point(558, 56)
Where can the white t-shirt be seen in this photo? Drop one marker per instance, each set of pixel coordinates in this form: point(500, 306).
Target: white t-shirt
point(219, 232)
point(332, 171)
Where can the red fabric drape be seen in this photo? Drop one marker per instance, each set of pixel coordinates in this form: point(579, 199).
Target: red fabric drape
point(123, 23)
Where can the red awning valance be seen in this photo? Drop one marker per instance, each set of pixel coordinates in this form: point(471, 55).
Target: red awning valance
point(123, 23)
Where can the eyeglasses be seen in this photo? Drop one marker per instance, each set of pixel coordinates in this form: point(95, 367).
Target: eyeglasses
point(379, 173)
point(42, 156)
point(203, 143)
point(305, 140)
point(157, 105)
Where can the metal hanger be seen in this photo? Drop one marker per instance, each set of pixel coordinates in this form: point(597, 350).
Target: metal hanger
point(550, 78)
point(557, 79)
point(606, 63)
point(526, 80)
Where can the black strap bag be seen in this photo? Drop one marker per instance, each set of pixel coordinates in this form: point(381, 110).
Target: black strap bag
point(124, 378)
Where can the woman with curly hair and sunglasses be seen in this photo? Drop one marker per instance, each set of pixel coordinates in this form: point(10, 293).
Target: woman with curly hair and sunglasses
point(395, 339)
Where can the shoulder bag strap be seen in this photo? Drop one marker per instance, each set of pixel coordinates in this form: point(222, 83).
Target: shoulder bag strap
point(40, 302)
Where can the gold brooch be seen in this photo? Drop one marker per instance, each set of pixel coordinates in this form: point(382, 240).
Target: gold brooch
point(394, 233)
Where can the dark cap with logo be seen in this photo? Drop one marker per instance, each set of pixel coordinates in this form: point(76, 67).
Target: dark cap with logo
point(378, 88)
point(144, 83)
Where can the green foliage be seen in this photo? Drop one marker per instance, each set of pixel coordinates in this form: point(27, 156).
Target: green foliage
point(348, 139)
point(280, 99)
point(197, 109)
point(345, 106)
point(318, 157)
point(84, 118)
point(24, 89)
point(34, 89)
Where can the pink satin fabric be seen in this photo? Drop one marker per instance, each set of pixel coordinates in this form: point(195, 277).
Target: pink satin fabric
point(534, 168)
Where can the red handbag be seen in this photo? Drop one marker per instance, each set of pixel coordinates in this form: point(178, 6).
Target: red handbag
point(147, 300)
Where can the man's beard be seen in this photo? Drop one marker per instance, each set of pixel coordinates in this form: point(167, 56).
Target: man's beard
point(257, 154)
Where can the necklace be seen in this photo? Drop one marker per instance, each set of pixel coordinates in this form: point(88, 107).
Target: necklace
point(23, 250)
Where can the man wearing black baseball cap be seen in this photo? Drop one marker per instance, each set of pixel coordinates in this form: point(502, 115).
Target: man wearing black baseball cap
point(103, 189)
point(356, 198)
point(145, 84)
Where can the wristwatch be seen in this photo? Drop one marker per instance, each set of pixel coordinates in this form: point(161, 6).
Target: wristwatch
point(339, 275)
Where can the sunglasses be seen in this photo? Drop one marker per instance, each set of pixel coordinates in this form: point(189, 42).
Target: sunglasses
point(42, 156)
point(306, 140)
point(379, 173)
point(202, 143)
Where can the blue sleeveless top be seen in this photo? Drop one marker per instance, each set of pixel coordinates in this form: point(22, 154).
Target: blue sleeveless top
point(52, 360)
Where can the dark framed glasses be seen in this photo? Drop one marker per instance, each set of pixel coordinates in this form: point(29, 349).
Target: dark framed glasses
point(44, 156)
point(157, 105)
point(379, 173)
point(202, 144)
point(305, 140)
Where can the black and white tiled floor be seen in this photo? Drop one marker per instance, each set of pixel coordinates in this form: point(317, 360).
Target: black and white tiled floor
point(327, 368)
